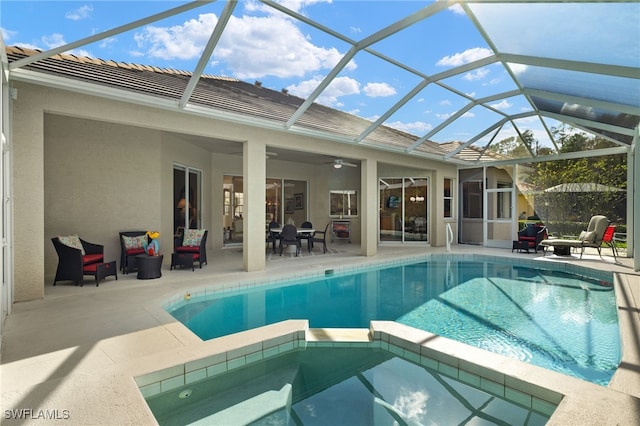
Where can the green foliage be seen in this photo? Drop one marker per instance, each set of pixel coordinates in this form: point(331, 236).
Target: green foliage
point(580, 206)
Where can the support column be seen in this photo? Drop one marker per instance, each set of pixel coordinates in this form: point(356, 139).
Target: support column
point(254, 170)
point(369, 209)
point(633, 203)
point(28, 199)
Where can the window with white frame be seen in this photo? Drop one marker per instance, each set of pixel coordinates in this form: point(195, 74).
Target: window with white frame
point(448, 198)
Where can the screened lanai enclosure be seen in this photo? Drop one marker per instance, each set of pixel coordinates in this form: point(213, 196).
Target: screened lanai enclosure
point(518, 97)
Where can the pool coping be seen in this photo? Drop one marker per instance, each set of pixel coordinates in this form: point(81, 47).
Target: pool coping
point(520, 376)
point(542, 390)
point(381, 336)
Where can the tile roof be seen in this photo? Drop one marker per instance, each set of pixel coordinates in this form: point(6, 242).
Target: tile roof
point(220, 93)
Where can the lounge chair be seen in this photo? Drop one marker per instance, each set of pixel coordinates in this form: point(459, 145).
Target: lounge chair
point(592, 237)
point(77, 258)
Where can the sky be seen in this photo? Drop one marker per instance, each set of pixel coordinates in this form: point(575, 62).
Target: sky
point(262, 44)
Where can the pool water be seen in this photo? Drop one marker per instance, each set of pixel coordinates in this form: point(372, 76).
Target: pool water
point(336, 386)
point(563, 322)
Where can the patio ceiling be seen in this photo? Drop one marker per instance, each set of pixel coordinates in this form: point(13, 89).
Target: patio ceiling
point(554, 62)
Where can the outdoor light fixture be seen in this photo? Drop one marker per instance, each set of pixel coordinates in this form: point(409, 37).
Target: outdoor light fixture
point(337, 165)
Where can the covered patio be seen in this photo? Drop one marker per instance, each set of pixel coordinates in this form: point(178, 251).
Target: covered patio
point(430, 146)
point(79, 348)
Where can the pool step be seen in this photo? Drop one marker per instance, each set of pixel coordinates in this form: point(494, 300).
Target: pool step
point(338, 335)
point(252, 409)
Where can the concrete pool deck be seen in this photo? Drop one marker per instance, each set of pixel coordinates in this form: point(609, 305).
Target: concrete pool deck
point(75, 354)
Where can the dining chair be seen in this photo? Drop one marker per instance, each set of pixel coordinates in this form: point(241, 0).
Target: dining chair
point(273, 237)
point(306, 235)
point(289, 236)
point(321, 237)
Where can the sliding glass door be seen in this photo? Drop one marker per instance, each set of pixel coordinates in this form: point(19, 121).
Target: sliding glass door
point(403, 209)
point(233, 209)
point(187, 198)
point(285, 201)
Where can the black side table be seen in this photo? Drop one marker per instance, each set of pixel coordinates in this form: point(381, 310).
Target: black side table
point(149, 267)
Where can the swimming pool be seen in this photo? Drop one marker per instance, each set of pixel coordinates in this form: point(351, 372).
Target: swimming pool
point(557, 320)
point(338, 386)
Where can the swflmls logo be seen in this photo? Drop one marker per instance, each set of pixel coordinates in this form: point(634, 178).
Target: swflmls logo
point(31, 414)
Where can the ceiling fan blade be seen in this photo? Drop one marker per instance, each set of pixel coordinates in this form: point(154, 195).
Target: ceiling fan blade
point(338, 162)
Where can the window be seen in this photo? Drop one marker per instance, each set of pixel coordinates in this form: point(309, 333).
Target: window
point(343, 203)
point(448, 198)
point(503, 208)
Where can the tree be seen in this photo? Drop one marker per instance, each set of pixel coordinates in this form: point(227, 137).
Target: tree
point(610, 171)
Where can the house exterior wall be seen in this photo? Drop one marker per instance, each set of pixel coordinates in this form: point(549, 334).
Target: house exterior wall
point(95, 166)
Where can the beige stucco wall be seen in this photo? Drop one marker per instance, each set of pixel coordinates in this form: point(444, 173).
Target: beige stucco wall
point(100, 178)
point(95, 166)
point(28, 195)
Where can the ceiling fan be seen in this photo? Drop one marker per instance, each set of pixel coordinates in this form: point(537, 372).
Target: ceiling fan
point(338, 163)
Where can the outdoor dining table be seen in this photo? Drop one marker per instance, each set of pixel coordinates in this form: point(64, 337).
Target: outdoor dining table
point(301, 231)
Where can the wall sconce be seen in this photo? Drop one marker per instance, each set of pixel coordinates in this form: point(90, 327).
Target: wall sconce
point(337, 165)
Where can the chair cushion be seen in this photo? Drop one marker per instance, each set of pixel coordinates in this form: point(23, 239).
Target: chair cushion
point(134, 251)
point(192, 237)
point(92, 268)
point(188, 249)
point(136, 242)
point(72, 241)
point(588, 237)
point(88, 259)
point(527, 239)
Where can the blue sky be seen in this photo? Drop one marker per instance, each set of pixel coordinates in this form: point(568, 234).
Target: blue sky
point(262, 44)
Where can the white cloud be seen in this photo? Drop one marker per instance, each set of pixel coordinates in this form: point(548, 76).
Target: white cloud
point(184, 41)
point(445, 102)
point(53, 40)
point(340, 86)
point(518, 68)
point(7, 34)
point(414, 128)
point(412, 403)
point(477, 74)
point(108, 42)
point(443, 116)
point(465, 57)
point(504, 104)
point(375, 90)
point(298, 5)
point(82, 12)
point(457, 9)
point(250, 47)
point(253, 47)
point(492, 82)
